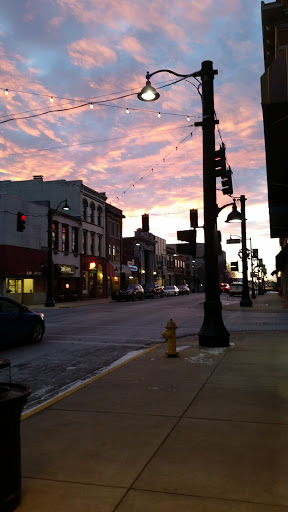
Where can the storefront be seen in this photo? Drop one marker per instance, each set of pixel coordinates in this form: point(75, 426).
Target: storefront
point(67, 282)
point(22, 276)
point(96, 277)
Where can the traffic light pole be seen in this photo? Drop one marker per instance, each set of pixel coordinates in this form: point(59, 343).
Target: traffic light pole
point(245, 300)
point(213, 332)
point(49, 297)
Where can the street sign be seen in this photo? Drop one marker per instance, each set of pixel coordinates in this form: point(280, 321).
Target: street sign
point(233, 241)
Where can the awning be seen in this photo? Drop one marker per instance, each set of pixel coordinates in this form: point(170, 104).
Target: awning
point(110, 270)
point(282, 258)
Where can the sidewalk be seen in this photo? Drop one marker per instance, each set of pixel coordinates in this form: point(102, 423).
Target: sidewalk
point(204, 432)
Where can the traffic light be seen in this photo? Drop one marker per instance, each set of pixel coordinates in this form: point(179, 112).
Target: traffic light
point(234, 266)
point(145, 223)
point(220, 161)
point(189, 235)
point(20, 221)
point(226, 182)
point(194, 218)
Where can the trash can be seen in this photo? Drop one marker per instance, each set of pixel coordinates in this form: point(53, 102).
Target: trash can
point(13, 397)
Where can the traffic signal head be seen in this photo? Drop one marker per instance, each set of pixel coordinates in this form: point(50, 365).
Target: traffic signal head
point(194, 218)
point(234, 266)
point(220, 161)
point(226, 182)
point(20, 221)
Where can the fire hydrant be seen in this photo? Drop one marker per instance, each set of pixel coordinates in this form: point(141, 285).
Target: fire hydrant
point(170, 336)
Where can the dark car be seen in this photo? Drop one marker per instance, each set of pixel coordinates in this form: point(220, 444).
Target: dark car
point(19, 323)
point(153, 290)
point(129, 292)
point(183, 289)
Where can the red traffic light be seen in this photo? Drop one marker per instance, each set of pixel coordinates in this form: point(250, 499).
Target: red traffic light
point(21, 221)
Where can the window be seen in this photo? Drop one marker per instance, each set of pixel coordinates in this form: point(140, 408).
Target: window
point(65, 238)
point(92, 213)
point(99, 215)
point(74, 240)
point(110, 252)
point(99, 245)
point(84, 242)
point(55, 235)
point(85, 206)
point(114, 253)
point(92, 243)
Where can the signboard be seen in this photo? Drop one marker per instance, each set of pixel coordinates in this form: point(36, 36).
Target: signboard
point(233, 241)
point(133, 268)
point(66, 269)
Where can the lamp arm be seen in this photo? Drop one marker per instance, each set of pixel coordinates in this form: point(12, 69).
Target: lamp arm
point(148, 75)
point(222, 207)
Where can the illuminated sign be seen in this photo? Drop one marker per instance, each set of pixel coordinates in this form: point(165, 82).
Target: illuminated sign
point(92, 265)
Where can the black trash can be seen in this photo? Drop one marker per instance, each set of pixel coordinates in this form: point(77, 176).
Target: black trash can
point(13, 397)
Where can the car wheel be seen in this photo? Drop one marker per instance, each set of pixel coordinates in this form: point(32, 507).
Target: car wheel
point(37, 332)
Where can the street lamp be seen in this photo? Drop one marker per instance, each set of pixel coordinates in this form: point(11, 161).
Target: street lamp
point(213, 332)
point(49, 297)
point(236, 216)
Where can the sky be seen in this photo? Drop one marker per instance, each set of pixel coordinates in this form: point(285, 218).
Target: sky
point(79, 52)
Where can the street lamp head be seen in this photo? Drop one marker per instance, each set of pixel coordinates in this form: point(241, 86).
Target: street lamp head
point(66, 206)
point(148, 93)
point(234, 216)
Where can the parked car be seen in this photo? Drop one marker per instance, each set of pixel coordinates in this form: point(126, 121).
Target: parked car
point(153, 290)
point(18, 323)
point(183, 289)
point(129, 292)
point(171, 290)
point(236, 288)
point(224, 288)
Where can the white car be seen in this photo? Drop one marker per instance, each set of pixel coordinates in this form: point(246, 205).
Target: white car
point(236, 288)
point(171, 290)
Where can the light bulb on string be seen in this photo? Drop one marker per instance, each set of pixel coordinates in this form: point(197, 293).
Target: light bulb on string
point(51, 99)
point(91, 105)
point(127, 111)
point(159, 114)
point(188, 118)
point(6, 92)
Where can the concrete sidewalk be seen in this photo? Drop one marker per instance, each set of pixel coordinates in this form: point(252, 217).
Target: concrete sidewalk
point(204, 432)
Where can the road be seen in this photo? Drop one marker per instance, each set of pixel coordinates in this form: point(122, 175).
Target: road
point(81, 342)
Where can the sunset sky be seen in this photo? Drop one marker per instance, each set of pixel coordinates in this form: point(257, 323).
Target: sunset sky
point(82, 51)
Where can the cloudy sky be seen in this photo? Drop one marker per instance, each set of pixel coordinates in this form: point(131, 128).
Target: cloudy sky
point(83, 51)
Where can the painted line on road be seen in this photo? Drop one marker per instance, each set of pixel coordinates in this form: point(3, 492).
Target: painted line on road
point(108, 369)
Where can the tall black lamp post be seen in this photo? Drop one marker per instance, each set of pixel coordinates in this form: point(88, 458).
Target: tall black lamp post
point(236, 216)
point(50, 302)
point(213, 332)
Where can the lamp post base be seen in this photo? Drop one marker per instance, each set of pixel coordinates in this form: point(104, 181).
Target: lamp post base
point(246, 302)
point(213, 332)
point(50, 303)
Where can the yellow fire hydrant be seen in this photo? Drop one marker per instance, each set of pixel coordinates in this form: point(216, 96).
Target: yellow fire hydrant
point(170, 335)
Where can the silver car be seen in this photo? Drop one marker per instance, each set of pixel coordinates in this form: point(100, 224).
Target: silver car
point(171, 291)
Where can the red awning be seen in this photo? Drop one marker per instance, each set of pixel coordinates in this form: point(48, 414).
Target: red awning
point(110, 270)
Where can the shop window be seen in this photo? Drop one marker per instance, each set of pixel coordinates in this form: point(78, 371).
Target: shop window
point(92, 243)
point(99, 215)
point(28, 286)
point(55, 235)
point(84, 248)
point(85, 206)
point(13, 285)
point(74, 240)
point(92, 213)
point(65, 238)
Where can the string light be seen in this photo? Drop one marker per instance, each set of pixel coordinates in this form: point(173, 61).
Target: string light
point(91, 105)
point(51, 99)
point(127, 111)
point(6, 92)
point(159, 114)
point(188, 118)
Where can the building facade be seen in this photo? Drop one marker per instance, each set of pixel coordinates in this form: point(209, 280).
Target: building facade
point(274, 97)
point(80, 266)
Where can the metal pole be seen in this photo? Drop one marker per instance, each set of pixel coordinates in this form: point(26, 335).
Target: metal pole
point(245, 300)
point(213, 332)
point(252, 272)
point(49, 298)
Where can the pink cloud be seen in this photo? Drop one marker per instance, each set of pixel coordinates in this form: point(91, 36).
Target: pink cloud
point(89, 53)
